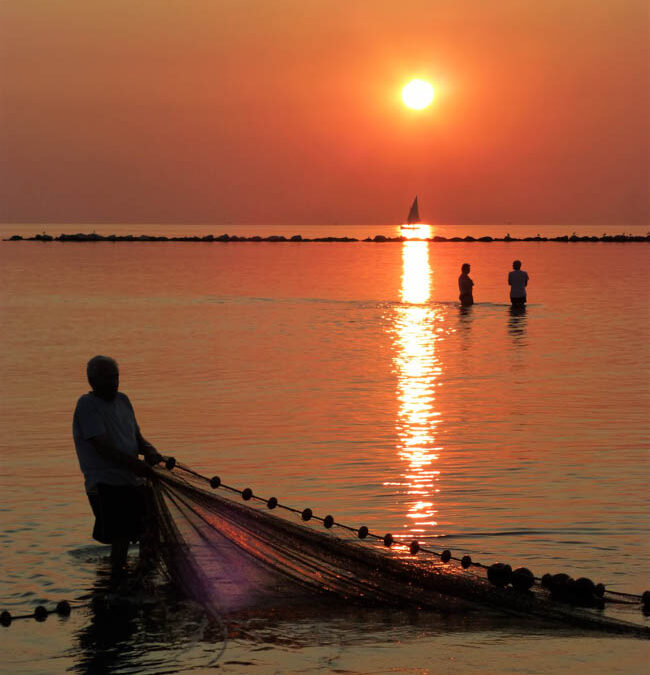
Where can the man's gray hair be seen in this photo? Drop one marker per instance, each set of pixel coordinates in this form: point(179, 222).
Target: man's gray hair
point(98, 363)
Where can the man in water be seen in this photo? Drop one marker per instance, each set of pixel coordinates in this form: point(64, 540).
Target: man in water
point(517, 280)
point(107, 439)
point(465, 285)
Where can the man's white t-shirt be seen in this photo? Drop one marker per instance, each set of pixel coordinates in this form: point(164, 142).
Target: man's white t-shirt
point(94, 416)
point(518, 280)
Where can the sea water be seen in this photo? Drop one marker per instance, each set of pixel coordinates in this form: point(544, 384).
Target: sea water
point(344, 377)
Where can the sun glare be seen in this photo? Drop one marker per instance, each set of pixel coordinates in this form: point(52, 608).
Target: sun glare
point(417, 94)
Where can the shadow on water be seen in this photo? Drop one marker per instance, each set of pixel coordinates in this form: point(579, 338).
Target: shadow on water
point(466, 315)
point(142, 624)
point(465, 320)
point(517, 324)
point(146, 626)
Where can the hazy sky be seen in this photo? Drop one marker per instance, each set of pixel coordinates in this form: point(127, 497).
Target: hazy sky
point(289, 111)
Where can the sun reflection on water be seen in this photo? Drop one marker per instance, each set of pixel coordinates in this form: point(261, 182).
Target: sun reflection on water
point(417, 329)
point(416, 231)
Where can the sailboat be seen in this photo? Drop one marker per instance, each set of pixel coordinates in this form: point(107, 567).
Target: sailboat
point(413, 220)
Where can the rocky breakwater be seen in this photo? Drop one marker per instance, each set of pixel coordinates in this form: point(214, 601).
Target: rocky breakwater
point(380, 238)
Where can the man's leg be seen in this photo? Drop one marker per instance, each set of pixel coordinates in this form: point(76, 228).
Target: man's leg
point(149, 535)
point(119, 549)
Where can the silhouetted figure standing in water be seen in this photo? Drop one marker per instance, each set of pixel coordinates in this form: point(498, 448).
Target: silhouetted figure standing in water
point(108, 441)
point(517, 280)
point(465, 286)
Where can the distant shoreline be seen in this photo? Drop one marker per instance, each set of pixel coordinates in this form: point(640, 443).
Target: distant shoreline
point(380, 238)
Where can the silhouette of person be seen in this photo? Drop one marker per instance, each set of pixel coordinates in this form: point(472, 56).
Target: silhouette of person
point(465, 286)
point(107, 439)
point(517, 280)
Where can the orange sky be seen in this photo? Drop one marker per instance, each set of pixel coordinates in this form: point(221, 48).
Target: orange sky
point(289, 111)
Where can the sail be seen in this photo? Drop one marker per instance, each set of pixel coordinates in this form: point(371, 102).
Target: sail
point(414, 213)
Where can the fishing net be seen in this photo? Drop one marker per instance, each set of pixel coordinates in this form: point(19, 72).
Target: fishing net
point(235, 556)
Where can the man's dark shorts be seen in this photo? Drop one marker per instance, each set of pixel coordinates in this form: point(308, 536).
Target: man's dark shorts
point(121, 512)
point(518, 302)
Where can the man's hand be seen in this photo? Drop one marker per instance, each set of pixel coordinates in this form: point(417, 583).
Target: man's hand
point(151, 455)
point(104, 447)
point(153, 458)
point(143, 470)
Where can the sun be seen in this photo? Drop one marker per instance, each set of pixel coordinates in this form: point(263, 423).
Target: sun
point(417, 94)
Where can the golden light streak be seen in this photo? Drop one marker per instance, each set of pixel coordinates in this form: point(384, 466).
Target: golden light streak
point(416, 231)
point(417, 367)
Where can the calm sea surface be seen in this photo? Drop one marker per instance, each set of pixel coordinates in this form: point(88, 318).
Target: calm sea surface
point(344, 377)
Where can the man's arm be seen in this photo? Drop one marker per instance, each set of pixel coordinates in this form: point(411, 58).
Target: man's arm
point(145, 448)
point(151, 455)
point(105, 448)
